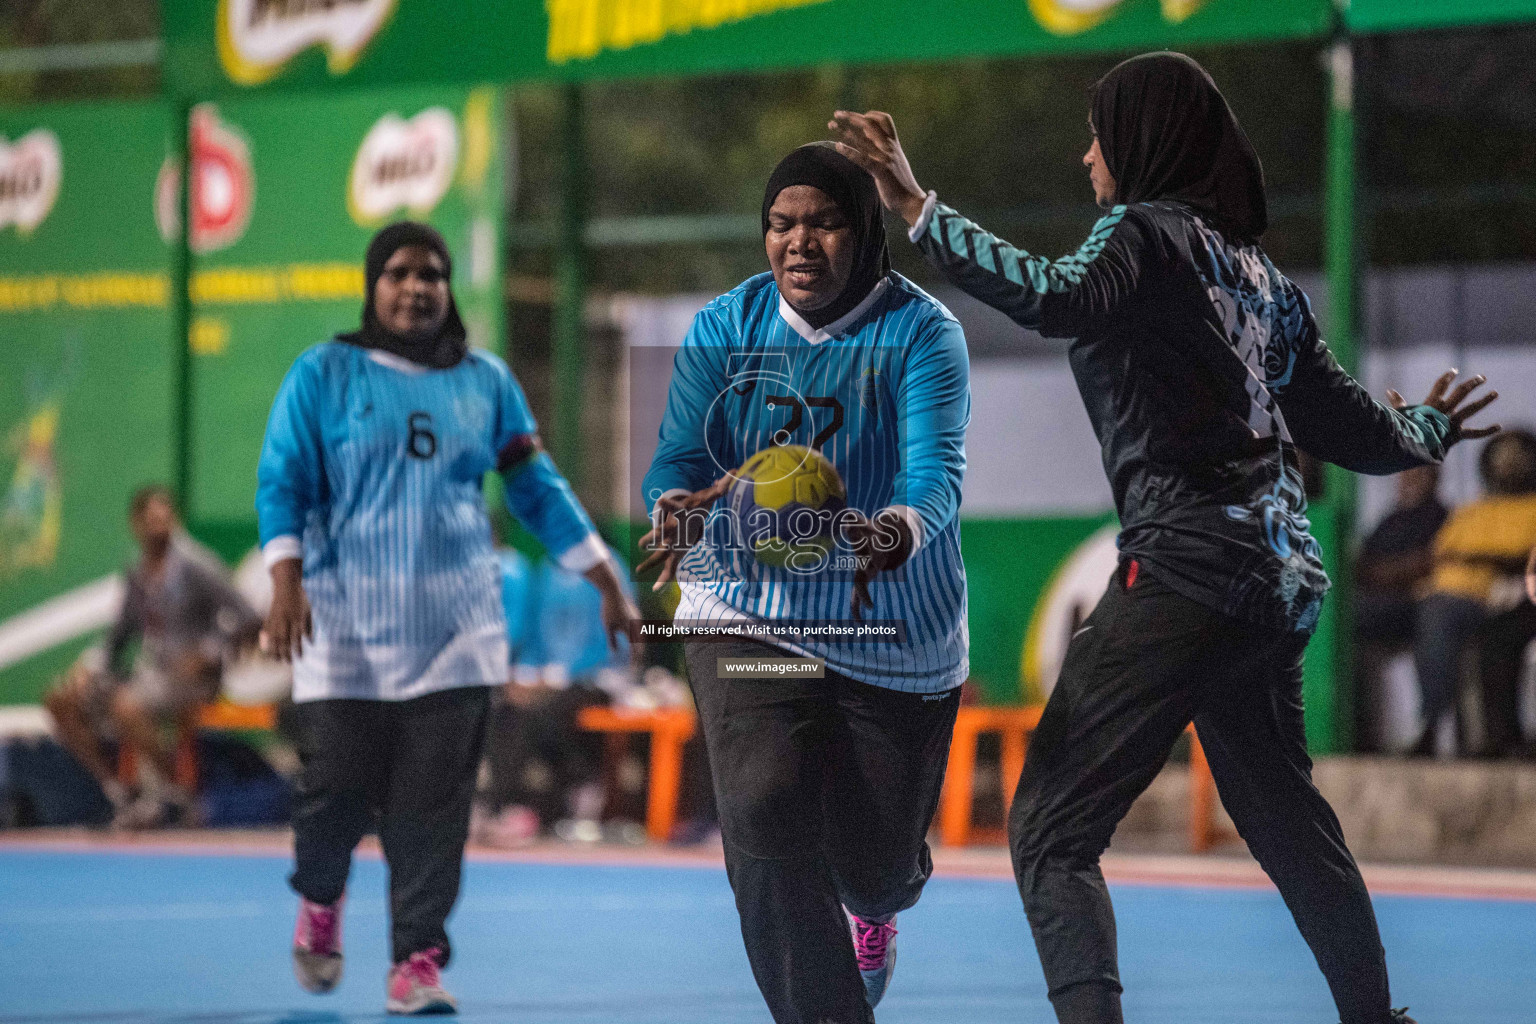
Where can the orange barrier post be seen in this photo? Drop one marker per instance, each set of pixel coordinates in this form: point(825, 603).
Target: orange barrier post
point(1202, 797)
point(1013, 724)
point(959, 777)
point(670, 729)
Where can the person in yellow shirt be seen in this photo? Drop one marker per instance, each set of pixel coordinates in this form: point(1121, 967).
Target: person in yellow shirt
point(1478, 559)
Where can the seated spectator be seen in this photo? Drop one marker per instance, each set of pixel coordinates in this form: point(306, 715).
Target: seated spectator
point(1393, 565)
point(541, 767)
point(1479, 558)
point(178, 604)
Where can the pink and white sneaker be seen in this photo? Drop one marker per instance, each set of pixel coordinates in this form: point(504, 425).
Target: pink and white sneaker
point(874, 947)
point(416, 986)
point(317, 958)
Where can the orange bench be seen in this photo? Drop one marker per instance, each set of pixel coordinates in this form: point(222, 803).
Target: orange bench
point(669, 728)
point(1013, 724)
point(218, 715)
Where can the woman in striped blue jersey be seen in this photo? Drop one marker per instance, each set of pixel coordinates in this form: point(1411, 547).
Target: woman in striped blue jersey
point(826, 786)
point(387, 596)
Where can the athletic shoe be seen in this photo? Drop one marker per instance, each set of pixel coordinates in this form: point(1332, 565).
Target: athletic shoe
point(874, 947)
point(416, 986)
point(317, 956)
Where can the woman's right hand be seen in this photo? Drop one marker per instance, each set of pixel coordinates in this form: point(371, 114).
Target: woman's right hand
point(677, 524)
point(288, 623)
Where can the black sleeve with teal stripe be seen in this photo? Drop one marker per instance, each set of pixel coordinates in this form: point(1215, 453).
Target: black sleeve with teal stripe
point(1332, 418)
point(1059, 297)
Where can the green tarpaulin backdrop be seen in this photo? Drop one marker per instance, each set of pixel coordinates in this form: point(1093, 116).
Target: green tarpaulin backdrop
point(216, 47)
point(86, 350)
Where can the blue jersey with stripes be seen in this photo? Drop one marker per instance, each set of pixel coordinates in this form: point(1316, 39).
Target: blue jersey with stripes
point(371, 472)
point(884, 394)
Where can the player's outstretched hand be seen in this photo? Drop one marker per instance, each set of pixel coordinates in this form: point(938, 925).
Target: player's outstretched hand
point(1530, 576)
point(880, 545)
point(1448, 400)
point(869, 140)
point(677, 524)
point(288, 623)
point(620, 616)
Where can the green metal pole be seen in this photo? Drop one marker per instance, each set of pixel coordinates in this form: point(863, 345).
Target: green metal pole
point(1331, 726)
point(181, 311)
point(570, 290)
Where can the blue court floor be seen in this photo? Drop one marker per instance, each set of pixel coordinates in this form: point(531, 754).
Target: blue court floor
point(143, 938)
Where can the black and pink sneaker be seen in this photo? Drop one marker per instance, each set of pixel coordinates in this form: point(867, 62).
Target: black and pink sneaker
point(874, 947)
point(416, 986)
point(317, 959)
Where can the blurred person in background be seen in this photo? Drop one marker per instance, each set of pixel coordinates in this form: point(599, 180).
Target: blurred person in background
point(1203, 372)
point(1476, 590)
point(179, 605)
point(1391, 571)
point(387, 596)
point(541, 766)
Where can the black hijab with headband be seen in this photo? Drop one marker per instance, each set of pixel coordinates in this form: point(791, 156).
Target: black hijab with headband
point(439, 352)
point(853, 190)
point(1166, 132)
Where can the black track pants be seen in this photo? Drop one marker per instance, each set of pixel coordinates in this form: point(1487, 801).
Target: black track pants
point(1145, 663)
point(406, 768)
point(826, 788)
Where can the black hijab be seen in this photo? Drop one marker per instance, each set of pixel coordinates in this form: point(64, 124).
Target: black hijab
point(451, 342)
point(854, 192)
point(1166, 132)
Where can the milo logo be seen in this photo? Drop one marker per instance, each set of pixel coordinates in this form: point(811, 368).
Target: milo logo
point(403, 164)
point(257, 37)
point(31, 169)
point(1071, 17)
point(223, 184)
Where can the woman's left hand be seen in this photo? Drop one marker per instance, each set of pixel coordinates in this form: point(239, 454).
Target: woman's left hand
point(880, 544)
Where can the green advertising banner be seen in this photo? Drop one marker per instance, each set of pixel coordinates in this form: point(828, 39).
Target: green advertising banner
point(1406, 15)
point(215, 47)
point(285, 195)
point(86, 366)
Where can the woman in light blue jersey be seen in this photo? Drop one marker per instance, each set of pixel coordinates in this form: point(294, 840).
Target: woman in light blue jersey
point(387, 596)
point(826, 784)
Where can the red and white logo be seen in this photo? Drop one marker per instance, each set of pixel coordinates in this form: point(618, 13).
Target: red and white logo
point(223, 183)
point(403, 165)
point(31, 170)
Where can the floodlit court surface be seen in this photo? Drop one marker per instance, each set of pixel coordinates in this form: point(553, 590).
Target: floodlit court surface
point(187, 931)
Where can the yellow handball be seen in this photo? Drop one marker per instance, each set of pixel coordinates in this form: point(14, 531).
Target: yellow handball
point(786, 499)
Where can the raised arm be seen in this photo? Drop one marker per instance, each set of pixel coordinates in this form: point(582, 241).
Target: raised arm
point(1056, 297)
